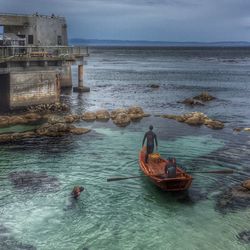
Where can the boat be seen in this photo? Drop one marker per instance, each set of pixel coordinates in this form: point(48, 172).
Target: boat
point(155, 170)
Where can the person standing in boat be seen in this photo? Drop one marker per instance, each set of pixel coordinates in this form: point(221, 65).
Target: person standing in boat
point(151, 140)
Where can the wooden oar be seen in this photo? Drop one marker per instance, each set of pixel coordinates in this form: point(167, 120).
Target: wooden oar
point(226, 171)
point(125, 178)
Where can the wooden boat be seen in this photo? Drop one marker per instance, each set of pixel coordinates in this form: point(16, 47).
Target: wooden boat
point(155, 170)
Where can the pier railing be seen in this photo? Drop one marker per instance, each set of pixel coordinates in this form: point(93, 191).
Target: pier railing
point(26, 52)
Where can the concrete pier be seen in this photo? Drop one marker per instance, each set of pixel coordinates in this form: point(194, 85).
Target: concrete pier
point(81, 87)
point(35, 60)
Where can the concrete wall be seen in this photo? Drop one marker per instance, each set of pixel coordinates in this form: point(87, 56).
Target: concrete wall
point(34, 87)
point(45, 29)
point(4, 92)
point(66, 76)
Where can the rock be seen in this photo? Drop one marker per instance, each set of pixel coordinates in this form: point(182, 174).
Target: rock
point(4, 121)
point(17, 120)
point(196, 119)
point(122, 120)
point(34, 180)
point(12, 137)
point(135, 113)
point(32, 117)
point(8, 242)
point(213, 124)
point(71, 118)
point(244, 236)
point(53, 130)
point(79, 131)
point(5, 138)
point(102, 115)
point(53, 119)
point(192, 102)
point(49, 108)
point(233, 199)
point(204, 97)
point(115, 112)
point(246, 184)
point(237, 129)
point(89, 116)
point(154, 86)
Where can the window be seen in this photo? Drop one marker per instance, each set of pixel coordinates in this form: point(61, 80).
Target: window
point(30, 39)
point(59, 40)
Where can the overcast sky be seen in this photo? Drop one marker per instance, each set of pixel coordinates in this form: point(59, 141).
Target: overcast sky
point(155, 20)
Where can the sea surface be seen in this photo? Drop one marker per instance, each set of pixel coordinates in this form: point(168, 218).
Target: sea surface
point(134, 214)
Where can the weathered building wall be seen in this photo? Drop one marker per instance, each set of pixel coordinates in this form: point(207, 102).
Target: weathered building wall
point(33, 87)
point(46, 30)
point(4, 92)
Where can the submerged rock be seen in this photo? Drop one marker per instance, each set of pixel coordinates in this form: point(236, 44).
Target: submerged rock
point(34, 180)
point(190, 196)
point(214, 124)
point(102, 115)
point(79, 131)
point(204, 97)
point(233, 199)
point(122, 119)
point(154, 86)
point(89, 116)
point(8, 242)
point(244, 236)
point(13, 137)
point(196, 119)
point(192, 102)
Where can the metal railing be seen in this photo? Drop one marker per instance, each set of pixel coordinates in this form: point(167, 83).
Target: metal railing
point(10, 52)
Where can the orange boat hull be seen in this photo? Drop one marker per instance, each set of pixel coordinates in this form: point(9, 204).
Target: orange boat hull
point(156, 173)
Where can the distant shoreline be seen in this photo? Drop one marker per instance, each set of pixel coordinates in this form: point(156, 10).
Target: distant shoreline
point(157, 44)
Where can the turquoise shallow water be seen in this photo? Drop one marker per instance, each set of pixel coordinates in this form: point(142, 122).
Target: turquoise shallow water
point(130, 214)
point(134, 214)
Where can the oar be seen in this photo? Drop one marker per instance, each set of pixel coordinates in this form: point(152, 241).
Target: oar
point(226, 171)
point(125, 178)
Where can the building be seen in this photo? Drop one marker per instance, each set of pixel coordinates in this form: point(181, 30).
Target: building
point(35, 60)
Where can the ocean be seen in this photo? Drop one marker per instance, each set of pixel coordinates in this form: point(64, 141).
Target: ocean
point(134, 214)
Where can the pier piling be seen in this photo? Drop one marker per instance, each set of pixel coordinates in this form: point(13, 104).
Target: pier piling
point(81, 87)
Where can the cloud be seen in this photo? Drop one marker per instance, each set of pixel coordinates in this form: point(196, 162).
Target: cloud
point(172, 20)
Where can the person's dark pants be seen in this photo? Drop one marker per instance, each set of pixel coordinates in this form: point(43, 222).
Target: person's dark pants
point(150, 150)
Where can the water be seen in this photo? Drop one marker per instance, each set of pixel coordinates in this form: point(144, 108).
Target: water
point(134, 214)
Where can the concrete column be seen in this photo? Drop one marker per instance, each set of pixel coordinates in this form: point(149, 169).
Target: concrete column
point(80, 76)
point(66, 77)
point(81, 87)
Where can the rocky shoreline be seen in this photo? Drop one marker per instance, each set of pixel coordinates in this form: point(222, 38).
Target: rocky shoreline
point(196, 119)
point(53, 125)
